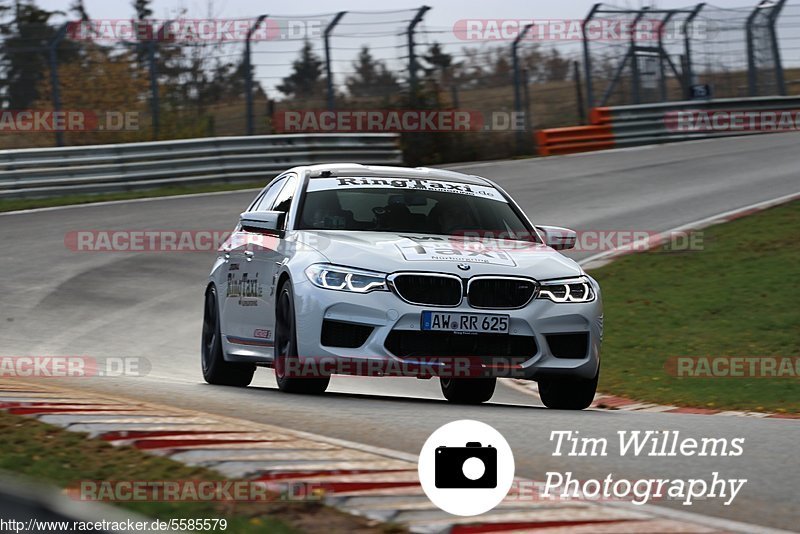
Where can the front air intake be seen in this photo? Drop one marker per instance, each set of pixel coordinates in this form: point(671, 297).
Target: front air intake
point(428, 289)
point(344, 335)
point(500, 292)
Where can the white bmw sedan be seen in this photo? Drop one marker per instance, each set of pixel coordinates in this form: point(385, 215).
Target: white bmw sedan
point(377, 271)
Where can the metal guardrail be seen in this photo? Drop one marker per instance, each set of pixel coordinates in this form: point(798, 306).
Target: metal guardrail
point(647, 124)
point(123, 167)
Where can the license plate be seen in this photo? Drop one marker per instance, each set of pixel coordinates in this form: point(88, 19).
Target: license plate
point(465, 322)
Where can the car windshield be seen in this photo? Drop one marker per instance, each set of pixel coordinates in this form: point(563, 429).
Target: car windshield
point(418, 206)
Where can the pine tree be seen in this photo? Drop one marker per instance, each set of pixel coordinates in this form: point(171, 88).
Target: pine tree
point(24, 52)
point(371, 77)
point(306, 80)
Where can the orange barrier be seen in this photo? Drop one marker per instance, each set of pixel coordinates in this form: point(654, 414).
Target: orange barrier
point(574, 139)
point(600, 116)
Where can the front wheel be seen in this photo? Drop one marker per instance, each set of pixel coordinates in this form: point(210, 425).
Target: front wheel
point(563, 393)
point(288, 373)
point(468, 390)
point(215, 369)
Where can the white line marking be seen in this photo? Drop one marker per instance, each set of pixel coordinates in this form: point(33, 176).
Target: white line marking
point(637, 246)
point(130, 200)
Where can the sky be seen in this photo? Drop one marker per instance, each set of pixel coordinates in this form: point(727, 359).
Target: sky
point(272, 59)
point(443, 12)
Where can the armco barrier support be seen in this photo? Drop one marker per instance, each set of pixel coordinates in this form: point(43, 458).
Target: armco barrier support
point(625, 126)
point(43, 172)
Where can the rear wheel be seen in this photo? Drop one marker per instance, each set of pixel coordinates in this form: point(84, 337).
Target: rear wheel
point(567, 393)
point(468, 390)
point(215, 369)
point(288, 372)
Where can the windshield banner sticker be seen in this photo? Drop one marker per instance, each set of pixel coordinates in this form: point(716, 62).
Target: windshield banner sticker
point(413, 184)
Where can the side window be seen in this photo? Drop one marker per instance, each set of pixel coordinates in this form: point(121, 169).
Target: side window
point(268, 198)
point(284, 200)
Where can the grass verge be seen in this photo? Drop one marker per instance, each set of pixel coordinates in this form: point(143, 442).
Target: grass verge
point(737, 297)
point(13, 204)
point(55, 456)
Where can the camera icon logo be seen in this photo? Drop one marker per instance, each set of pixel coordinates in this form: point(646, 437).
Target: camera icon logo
point(473, 466)
point(466, 467)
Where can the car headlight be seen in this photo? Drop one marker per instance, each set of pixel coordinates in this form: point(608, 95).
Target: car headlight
point(567, 290)
point(345, 279)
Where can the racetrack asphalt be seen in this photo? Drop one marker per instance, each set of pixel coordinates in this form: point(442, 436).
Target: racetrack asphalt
point(59, 302)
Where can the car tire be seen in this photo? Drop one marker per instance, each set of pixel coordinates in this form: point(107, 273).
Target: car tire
point(286, 349)
point(468, 390)
point(215, 369)
point(565, 393)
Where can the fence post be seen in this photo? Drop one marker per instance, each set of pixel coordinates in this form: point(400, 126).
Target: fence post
point(328, 72)
point(52, 50)
point(752, 74)
point(688, 66)
point(456, 102)
point(587, 56)
point(780, 82)
point(154, 104)
point(517, 94)
point(526, 97)
point(662, 73)
point(412, 58)
point(579, 92)
point(155, 107)
point(636, 78)
point(248, 75)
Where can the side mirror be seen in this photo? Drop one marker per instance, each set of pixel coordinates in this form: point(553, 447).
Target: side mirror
point(558, 238)
point(262, 222)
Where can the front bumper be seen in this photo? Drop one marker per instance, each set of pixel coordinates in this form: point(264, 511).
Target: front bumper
point(386, 313)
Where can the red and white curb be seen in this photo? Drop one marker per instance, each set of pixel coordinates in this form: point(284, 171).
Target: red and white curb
point(653, 241)
point(378, 484)
point(613, 402)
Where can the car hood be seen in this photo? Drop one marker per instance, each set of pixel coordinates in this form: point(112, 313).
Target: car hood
point(392, 252)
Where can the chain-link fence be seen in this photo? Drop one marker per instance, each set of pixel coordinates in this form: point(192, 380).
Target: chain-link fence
point(129, 80)
point(700, 51)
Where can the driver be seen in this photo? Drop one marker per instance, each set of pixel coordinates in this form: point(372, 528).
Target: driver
point(452, 217)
